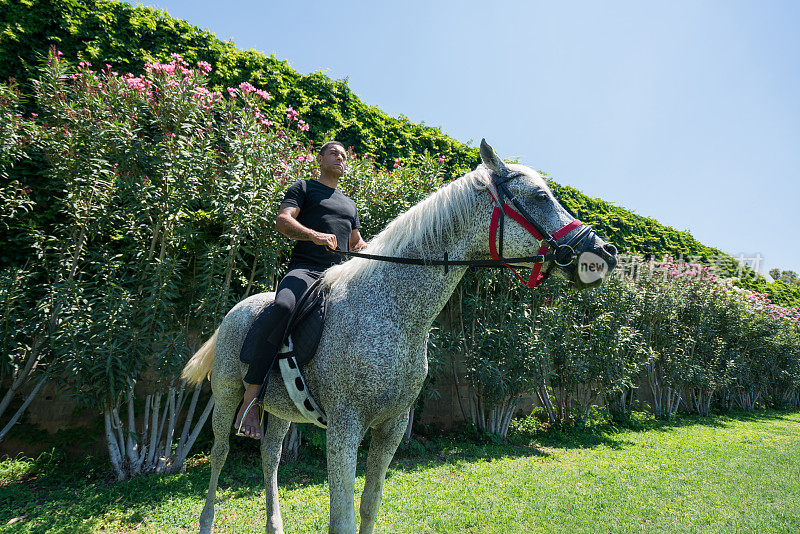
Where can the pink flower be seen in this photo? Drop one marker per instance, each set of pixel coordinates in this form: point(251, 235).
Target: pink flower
point(137, 84)
point(439, 158)
point(34, 114)
point(204, 66)
point(291, 114)
point(302, 126)
point(178, 59)
point(232, 92)
point(247, 87)
point(263, 94)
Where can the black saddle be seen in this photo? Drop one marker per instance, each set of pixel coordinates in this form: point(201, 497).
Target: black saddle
point(305, 324)
point(303, 330)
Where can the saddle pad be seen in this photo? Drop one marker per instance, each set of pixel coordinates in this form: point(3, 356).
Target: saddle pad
point(298, 391)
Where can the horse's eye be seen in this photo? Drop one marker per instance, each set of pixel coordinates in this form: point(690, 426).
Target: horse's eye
point(541, 196)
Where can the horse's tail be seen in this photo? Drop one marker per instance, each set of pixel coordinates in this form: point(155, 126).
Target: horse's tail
point(199, 365)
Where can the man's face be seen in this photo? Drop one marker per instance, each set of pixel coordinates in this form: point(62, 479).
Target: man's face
point(333, 161)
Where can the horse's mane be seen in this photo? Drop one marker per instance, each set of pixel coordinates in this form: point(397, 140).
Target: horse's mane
point(423, 228)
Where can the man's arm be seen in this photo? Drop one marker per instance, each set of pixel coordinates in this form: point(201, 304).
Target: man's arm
point(356, 241)
point(286, 223)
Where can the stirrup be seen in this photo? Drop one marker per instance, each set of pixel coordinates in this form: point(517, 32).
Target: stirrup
point(244, 416)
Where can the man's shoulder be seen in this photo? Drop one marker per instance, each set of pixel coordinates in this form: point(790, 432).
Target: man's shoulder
point(295, 194)
point(299, 184)
point(298, 187)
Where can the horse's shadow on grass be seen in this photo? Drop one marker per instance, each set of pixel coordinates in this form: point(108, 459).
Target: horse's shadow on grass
point(77, 498)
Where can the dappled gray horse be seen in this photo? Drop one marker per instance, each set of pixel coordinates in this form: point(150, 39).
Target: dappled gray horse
point(371, 362)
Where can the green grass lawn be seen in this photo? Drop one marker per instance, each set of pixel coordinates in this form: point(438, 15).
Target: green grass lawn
point(736, 473)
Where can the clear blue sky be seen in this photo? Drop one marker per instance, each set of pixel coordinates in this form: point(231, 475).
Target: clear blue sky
point(684, 111)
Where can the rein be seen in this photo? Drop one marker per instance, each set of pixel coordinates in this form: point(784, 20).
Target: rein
point(495, 262)
point(564, 253)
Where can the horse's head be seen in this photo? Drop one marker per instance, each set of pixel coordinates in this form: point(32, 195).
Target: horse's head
point(529, 220)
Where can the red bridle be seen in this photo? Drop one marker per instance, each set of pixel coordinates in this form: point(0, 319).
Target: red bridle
point(501, 208)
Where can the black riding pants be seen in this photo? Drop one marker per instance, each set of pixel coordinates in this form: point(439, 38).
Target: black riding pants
point(265, 336)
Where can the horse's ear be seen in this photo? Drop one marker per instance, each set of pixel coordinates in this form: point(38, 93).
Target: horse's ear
point(492, 160)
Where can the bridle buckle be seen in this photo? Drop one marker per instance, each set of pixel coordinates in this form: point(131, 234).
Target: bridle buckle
point(564, 255)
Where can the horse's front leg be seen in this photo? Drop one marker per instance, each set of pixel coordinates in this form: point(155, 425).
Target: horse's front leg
point(271, 444)
point(343, 436)
point(383, 444)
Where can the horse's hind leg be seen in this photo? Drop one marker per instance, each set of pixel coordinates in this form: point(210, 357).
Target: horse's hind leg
point(384, 442)
point(227, 397)
point(270, 456)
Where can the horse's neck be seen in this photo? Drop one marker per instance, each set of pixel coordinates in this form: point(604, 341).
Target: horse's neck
point(421, 292)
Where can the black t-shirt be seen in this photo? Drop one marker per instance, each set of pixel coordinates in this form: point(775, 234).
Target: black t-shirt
point(325, 210)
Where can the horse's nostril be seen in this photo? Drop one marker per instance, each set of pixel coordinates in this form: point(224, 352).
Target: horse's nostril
point(611, 249)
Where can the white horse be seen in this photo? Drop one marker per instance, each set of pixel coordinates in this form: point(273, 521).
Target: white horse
point(371, 361)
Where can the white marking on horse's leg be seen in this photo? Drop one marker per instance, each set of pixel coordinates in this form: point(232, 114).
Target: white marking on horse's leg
point(383, 444)
point(227, 400)
point(344, 434)
point(270, 456)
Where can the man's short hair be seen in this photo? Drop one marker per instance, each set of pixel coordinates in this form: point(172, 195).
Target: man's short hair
point(329, 144)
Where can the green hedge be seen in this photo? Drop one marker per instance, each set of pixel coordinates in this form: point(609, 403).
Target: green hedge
point(127, 37)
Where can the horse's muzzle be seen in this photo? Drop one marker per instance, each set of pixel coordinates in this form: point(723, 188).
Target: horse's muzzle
point(596, 260)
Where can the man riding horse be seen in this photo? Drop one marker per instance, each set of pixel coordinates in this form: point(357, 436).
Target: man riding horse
point(371, 361)
point(319, 218)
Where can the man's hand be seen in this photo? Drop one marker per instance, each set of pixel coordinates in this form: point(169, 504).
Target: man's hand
point(356, 242)
point(327, 240)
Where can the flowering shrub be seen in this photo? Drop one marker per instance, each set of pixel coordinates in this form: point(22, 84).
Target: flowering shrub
point(587, 344)
point(763, 303)
point(491, 333)
point(692, 337)
point(166, 196)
